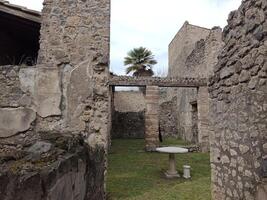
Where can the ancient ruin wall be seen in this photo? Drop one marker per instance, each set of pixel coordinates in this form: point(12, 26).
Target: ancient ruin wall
point(182, 45)
point(180, 49)
point(75, 45)
point(129, 110)
point(64, 96)
point(17, 112)
point(197, 60)
point(74, 49)
point(128, 119)
point(129, 101)
point(238, 94)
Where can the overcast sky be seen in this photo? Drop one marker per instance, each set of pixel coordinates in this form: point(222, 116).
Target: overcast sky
point(153, 24)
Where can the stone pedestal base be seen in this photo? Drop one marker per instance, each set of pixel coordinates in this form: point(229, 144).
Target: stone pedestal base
point(172, 173)
point(170, 176)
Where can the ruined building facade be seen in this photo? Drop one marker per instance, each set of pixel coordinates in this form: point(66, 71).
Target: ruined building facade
point(54, 116)
point(193, 53)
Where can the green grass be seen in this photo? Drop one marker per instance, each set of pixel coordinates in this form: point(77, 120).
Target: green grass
point(134, 174)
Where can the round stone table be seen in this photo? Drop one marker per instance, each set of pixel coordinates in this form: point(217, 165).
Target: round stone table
point(171, 172)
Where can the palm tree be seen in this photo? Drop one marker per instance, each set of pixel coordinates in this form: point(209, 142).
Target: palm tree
point(140, 61)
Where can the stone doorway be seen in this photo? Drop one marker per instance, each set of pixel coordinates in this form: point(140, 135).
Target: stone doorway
point(152, 110)
point(194, 121)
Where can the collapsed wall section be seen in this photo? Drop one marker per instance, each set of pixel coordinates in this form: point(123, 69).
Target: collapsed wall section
point(238, 93)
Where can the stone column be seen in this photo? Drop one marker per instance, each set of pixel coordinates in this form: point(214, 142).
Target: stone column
point(203, 119)
point(152, 118)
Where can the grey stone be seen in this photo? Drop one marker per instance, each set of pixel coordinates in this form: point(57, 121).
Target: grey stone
point(47, 92)
point(243, 149)
point(244, 76)
point(12, 74)
point(25, 100)
point(225, 159)
point(15, 120)
point(226, 72)
point(265, 148)
point(233, 152)
point(27, 79)
point(40, 147)
point(77, 93)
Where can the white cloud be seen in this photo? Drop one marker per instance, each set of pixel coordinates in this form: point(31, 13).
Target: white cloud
point(153, 23)
point(31, 4)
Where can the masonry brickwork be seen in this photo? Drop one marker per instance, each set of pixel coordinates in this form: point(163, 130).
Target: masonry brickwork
point(238, 93)
point(152, 118)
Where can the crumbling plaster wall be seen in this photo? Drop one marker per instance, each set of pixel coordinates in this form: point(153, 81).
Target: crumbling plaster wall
point(76, 47)
point(192, 53)
point(17, 110)
point(238, 93)
point(66, 92)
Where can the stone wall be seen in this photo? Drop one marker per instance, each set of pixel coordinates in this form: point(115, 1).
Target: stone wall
point(128, 118)
point(129, 101)
point(238, 93)
point(182, 46)
point(129, 110)
point(168, 118)
point(66, 93)
point(76, 48)
point(192, 53)
point(54, 168)
point(17, 110)
point(128, 125)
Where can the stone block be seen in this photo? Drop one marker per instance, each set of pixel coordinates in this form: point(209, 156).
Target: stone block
point(27, 79)
point(15, 120)
point(47, 94)
point(79, 89)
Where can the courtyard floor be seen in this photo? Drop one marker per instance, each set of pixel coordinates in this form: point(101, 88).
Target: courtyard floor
point(134, 174)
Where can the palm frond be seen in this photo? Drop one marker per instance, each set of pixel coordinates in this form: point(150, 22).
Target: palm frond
point(140, 61)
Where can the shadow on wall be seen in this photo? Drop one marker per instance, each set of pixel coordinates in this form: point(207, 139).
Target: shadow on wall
point(128, 125)
point(19, 39)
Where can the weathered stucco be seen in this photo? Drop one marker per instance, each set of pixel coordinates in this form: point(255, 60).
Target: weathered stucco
point(15, 120)
point(47, 92)
point(66, 92)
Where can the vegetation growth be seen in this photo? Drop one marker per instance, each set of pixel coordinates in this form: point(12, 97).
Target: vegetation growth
point(134, 174)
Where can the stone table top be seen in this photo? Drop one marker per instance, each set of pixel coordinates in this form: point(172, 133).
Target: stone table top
point(171, 150)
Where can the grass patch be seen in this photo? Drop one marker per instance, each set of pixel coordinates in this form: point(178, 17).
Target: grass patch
point(134, 174)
